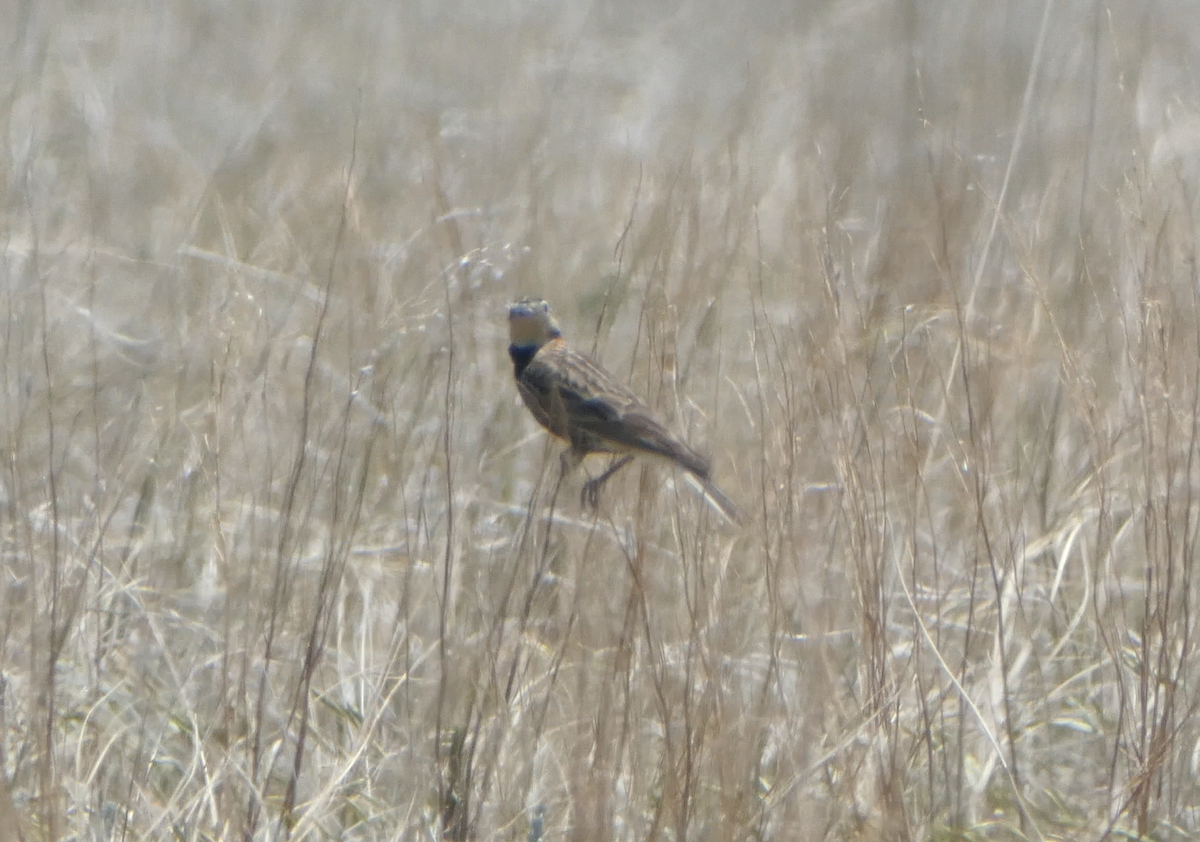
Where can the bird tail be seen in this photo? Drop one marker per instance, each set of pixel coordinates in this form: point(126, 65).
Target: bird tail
point(652, 438)
point(690, 460)
point(699, 469)
point(717, 498)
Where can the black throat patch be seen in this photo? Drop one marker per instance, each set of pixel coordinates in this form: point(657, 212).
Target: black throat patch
point(521, 357)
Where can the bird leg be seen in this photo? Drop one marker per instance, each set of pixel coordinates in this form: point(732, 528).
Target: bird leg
point(590, 498)
point(569, 460)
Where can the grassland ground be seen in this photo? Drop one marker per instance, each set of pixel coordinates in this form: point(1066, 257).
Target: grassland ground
point(285, 558)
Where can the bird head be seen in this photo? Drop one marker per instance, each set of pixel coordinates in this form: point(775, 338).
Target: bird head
point(530, 323)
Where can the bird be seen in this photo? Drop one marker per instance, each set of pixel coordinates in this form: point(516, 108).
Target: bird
point(593, 412)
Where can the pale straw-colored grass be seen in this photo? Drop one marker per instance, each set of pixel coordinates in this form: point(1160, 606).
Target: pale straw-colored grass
point(284, 557)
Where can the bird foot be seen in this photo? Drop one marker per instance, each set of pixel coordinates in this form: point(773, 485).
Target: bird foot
point(589, 498)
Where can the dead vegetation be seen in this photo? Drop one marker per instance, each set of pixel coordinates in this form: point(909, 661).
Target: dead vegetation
point(284, 557)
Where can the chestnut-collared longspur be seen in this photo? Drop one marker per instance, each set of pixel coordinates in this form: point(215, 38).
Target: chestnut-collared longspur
point(591, 410)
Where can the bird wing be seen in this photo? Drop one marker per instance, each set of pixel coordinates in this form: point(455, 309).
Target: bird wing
point(539, 388)
point(594, 411)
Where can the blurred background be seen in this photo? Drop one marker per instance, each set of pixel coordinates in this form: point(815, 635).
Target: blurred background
point(285, 558)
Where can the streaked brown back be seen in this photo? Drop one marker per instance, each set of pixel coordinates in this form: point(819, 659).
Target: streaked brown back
point(579, 401)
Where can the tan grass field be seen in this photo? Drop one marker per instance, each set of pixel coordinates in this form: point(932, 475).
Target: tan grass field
point(284, 557)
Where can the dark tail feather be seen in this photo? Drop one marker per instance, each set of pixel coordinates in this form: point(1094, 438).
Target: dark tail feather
point(655, 439)
point(691, 460)
point(718, 499)
point(660, 443)
point(700, 468)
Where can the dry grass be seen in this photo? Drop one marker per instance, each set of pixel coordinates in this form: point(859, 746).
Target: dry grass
point(284, 557)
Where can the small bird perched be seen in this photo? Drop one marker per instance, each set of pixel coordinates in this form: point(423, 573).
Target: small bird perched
point(591, 410)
